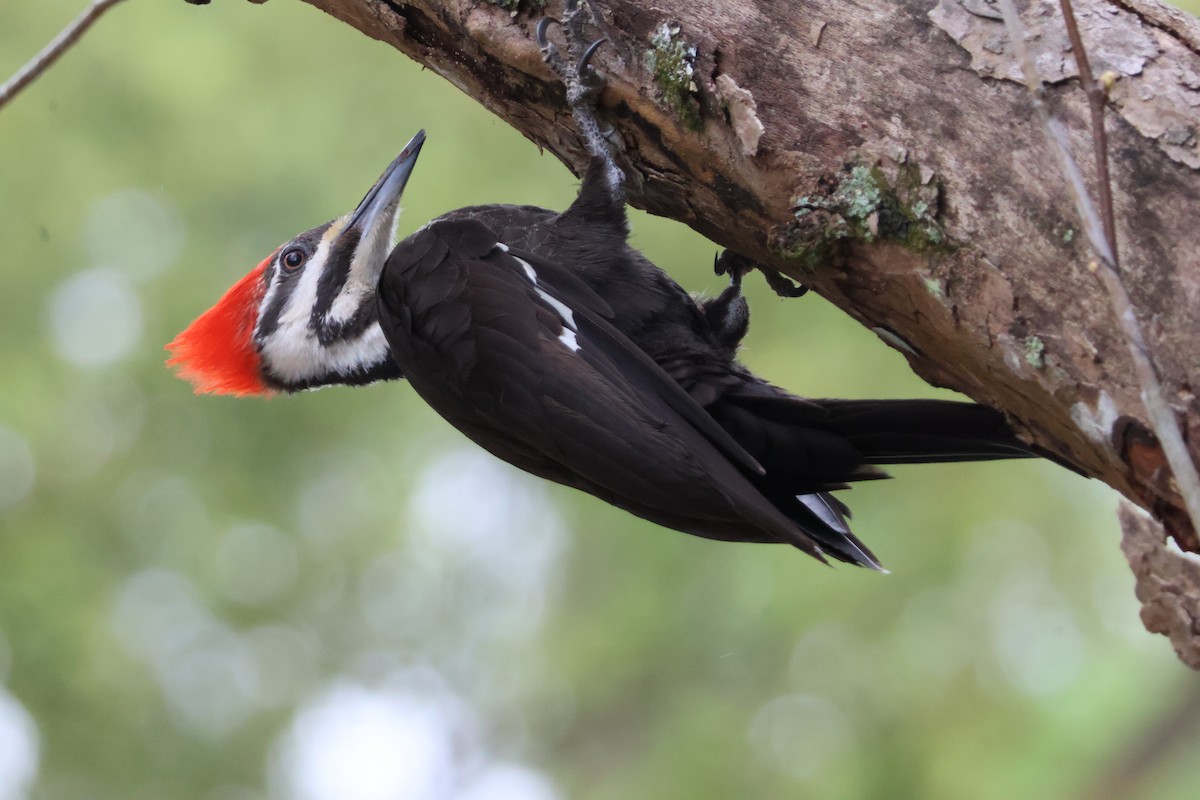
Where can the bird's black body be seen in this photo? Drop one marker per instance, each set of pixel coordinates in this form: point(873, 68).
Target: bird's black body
point(632, 393)
point(550, 342)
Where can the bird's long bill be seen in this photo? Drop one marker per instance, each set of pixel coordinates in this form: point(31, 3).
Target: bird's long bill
point(382, 200)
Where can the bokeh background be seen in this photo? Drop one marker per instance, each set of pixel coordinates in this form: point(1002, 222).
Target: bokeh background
point(334, 595)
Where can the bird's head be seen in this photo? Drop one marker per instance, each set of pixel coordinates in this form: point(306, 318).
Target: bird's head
point(306, 316)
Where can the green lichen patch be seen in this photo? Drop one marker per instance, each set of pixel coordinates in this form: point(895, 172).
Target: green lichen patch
point(672, 62)
point(858, 197)
point(1035, 352)
point(918, 200)
point(852, 206)
point(860, 204)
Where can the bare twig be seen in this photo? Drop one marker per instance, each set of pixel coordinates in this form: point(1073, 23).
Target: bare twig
point(1102, 238)
point(1092, 225)
point(1097, 96)
point(51, 52)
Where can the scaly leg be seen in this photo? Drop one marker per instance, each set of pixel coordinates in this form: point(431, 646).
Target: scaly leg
point(727, 314)
point(583, 86)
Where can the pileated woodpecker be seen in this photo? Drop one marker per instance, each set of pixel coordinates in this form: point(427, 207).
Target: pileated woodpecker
point(553, 344)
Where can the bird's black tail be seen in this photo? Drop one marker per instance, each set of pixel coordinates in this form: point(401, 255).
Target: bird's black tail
point(830, 441)
point(922, 431)
point(812, 447)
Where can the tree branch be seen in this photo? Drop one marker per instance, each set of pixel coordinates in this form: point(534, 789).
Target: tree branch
point(886, 155)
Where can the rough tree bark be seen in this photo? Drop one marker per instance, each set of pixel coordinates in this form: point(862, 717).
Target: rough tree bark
point(886, 155)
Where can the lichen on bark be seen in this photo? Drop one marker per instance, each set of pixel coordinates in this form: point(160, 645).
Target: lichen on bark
point(672, 62)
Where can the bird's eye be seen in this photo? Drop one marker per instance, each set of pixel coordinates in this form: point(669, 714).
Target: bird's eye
point(293, 259)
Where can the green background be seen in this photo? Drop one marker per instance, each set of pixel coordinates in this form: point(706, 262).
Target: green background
point(333, 595)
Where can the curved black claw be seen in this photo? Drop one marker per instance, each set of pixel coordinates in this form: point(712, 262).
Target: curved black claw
point(583, 67)
point(781, 284)
point(540, 32)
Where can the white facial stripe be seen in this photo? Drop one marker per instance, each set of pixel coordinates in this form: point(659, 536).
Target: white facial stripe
point(372, 252)
point(369, 257)
point(294, 317)
point(347, 303)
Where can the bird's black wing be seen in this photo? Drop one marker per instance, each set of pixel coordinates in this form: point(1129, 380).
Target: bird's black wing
point(517, 354)
point(623, 358)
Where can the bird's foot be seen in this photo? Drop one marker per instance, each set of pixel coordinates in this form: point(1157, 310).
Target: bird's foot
point(781, 284)
point(736, 265)
point(583, 85)
point(728, 314)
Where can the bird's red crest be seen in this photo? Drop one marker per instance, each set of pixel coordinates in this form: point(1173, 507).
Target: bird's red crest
point(216, 352)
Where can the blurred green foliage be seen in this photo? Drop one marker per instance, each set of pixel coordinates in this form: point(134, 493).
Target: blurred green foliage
point(334, 595)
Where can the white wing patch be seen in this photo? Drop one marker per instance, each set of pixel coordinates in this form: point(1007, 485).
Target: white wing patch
point(567, 336)
point(569, 330)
